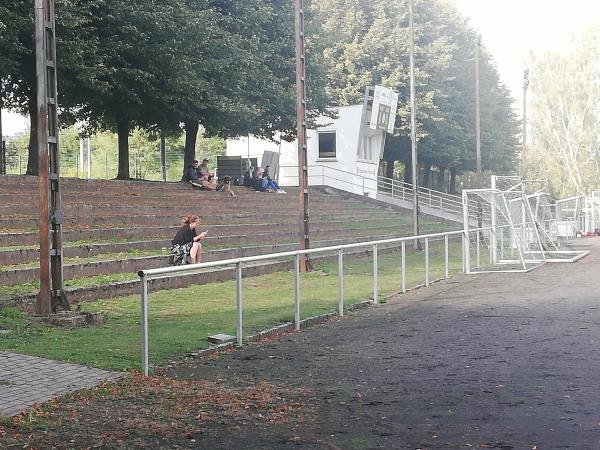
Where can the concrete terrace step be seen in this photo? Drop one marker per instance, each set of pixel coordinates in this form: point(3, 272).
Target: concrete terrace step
point(143, 233)
point(278, 235)
point(212, 219)
point(11, 277)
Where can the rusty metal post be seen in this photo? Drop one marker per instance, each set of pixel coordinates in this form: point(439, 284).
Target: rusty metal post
point(51, 296)
point(303, 199)
point(2, 146)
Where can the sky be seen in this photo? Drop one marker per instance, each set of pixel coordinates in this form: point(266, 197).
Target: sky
point(510, 29)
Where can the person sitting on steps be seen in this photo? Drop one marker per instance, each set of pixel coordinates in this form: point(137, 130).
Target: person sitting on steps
point(203, 171)
point(186, 242)
point(266, 182)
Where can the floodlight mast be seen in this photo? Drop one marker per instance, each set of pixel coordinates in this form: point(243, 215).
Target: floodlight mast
point(413, 127)
point(524, 153)
point(50, 220)
point(303, 199)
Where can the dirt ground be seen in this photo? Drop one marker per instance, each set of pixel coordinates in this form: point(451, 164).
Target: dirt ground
point(498, 361)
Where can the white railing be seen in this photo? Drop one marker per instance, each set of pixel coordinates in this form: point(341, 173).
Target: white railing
point(430, 201)
point(238, 263)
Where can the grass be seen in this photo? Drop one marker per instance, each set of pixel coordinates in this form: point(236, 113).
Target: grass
point(180, 320)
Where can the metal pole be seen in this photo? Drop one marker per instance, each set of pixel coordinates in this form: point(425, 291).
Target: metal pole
point(478, 239)
point(81, 156)
point(239, 303)
point(297, 293)
point(341, 282)
point(144, 324)
point(493, 231)
point(163, 158)
point(524, 153)
point(50, 212)
point(446, 252)
point(477, 110)
point(375, 275)
point(426, 261)
point(413, 127)
point(2, 146)
point(403, 267)
point(466, 249)
point(89, 158)
point(303, 197)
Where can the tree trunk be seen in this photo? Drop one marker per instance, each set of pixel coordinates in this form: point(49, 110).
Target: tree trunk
point(426, 175)
point(442, 179)
point(389, 168)
point(191, 135)
point(32, 158)
point(453, 181)
point(123, 129)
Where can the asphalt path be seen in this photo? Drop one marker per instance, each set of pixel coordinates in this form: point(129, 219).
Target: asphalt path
point(504, 361)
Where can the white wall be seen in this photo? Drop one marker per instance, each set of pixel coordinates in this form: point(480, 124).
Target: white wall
point(342, 172)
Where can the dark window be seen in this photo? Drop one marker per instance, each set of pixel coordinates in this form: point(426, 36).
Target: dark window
point(327, 144)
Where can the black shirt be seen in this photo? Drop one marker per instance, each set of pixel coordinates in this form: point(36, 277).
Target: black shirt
point(190, 175)
point(184, 235)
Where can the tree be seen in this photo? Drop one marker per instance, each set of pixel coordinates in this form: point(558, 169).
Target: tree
point(366, 43)
point(564, 117)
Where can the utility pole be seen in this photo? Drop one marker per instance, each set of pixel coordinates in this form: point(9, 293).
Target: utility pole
point(303, 199)
point(477, 110)
point(524, 153)
point(50, 221)
point(2, 146)
point(413, 127)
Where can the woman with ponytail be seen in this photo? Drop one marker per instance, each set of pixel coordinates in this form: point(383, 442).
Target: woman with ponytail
point(187, 242)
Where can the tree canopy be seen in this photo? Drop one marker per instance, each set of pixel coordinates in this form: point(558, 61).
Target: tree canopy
point(564, 117)
point(366, 43)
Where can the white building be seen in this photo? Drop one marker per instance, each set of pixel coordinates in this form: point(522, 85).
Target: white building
point(344, 152)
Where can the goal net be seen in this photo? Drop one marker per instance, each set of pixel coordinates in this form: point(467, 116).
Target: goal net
point(511, 228)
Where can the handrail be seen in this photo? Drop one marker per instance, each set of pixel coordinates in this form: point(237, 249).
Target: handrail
point(154, 274)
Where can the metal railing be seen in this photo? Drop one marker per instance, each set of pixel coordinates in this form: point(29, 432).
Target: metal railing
point(385, 189)
point(154, 274)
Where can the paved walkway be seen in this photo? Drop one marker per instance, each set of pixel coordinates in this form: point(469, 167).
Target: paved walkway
point(27, 380)
point(503, 361)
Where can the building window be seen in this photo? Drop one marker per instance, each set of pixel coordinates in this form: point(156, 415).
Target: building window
point(366, 149)
point(327, 144)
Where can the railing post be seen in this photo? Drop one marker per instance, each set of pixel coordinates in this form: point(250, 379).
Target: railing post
point(403, 267)
point(430, 204)
point(144, 324)
point(426, 261)
point(446, 255)
point(392, 188)
point(239, 303)
point(441, 205)
point(375, 276)
point(341, 282)
point(297, 293)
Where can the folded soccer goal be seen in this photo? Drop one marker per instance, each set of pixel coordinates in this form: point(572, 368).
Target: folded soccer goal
point(516, 229)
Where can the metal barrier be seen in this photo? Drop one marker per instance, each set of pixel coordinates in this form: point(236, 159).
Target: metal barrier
point(385, 189)
point(238, 263)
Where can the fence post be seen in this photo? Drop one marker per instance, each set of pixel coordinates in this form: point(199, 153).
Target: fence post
point(403, 267)
point(375, 276)
point(297, 293)
point(144, 324)
point(238, 285)
point(426, 261)
point(446, 255)
point(341, 282)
